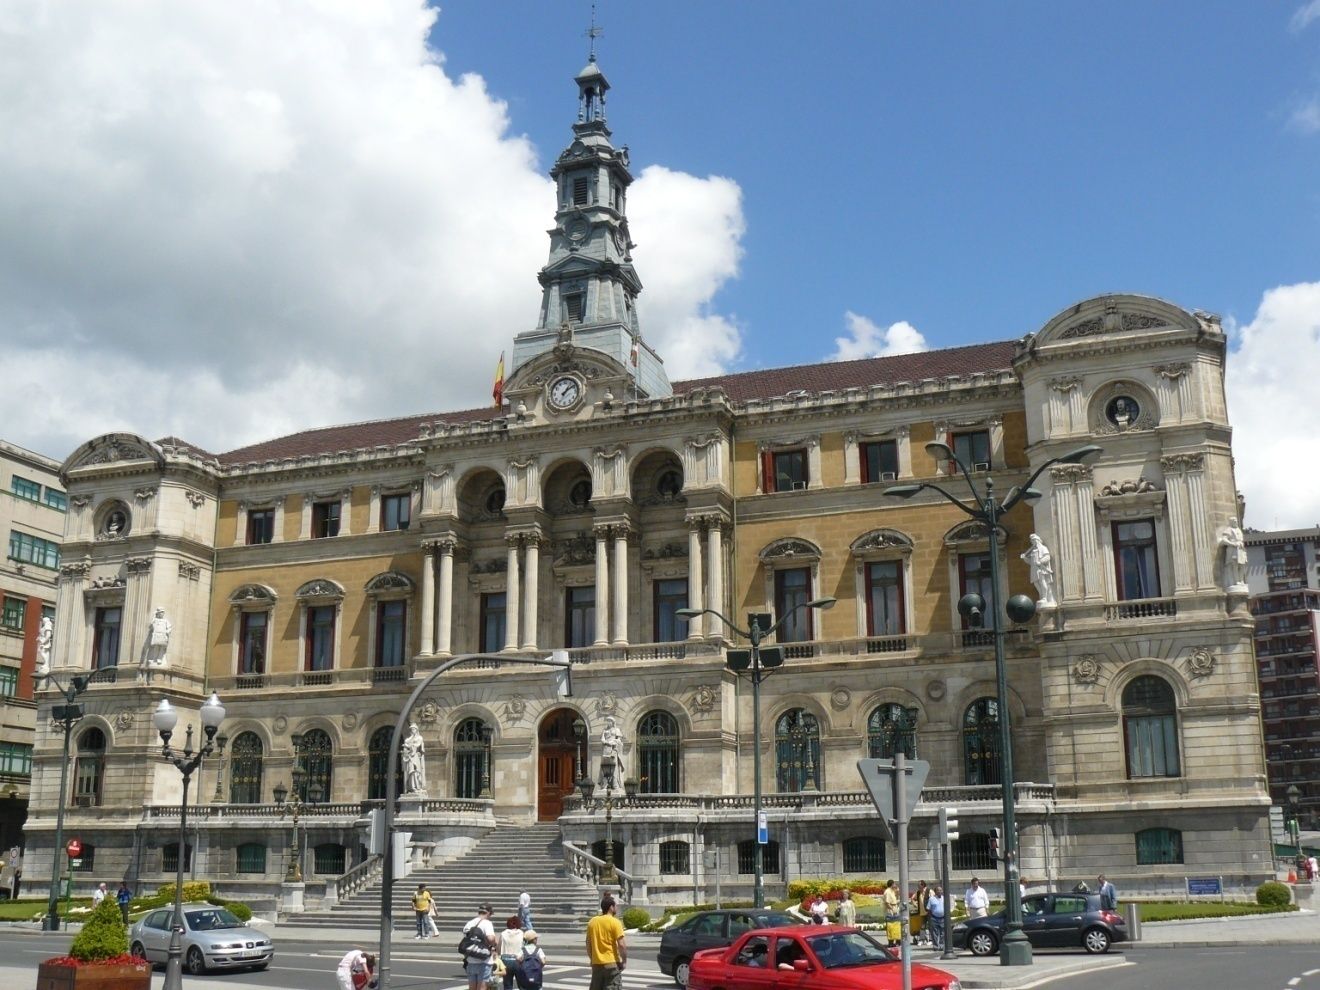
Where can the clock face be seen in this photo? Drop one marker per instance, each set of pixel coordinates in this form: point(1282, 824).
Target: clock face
point(564, 392)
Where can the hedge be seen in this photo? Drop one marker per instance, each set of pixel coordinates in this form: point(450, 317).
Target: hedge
point(103, 934)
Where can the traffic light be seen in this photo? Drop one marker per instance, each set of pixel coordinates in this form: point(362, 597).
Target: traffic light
point(948, 825)
point(994, 844)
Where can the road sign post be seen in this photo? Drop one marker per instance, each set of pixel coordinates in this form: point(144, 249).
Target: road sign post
point(948, 832)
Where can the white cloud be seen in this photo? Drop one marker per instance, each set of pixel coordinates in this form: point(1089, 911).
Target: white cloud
point(1270, 379)
point(234, 221)
point(1304, 15)
point(867, 339)
point(1305, 117)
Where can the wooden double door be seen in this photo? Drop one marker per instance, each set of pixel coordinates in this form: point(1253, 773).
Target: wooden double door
point(556, 763)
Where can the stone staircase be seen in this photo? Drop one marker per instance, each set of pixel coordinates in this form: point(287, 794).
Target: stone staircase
point(506, 861)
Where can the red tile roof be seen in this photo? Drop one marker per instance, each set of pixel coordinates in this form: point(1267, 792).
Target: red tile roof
point(834, 375)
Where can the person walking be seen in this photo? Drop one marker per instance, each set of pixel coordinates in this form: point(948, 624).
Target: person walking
point(531, 964)
point(355, 970)
point(510, 949)
point(98, 895)
point(893, 916)
point(847, 912)
point(478, 944)
point(919, 898)
point(934, 926)
point(421, 905)
point(432, 928)
point(1108, 894)
point(606, 947)
point(977, 900)
point(525, 910)
point(123, 897)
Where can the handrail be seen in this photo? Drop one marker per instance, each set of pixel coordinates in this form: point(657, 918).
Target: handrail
point(356, 878)
point(581, 864)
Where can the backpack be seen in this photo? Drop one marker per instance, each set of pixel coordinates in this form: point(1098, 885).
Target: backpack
point(530, 971)
point(473, 944)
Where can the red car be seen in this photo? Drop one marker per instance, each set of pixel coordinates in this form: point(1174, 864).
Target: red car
point(809, 957)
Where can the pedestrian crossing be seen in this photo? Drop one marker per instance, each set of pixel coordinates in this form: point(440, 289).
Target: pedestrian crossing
point(407, 968)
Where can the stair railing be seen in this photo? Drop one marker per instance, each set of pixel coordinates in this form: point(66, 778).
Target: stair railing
point(366, 872)
point(581, 864)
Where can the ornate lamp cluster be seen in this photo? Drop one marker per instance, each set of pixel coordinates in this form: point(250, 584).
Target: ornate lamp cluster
point(587, 788)
point(293, 804)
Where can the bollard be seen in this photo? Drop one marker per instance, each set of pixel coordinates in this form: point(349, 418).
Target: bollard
point(1132, 914)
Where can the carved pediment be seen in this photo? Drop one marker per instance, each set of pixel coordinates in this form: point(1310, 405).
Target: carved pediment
point(968, 532)
point(253, 594)
point(111, 448)
point(387, 582)
point(320, 588)
point(882, 539)
point(1114, 315)
point(790, 549)
point(576, 550)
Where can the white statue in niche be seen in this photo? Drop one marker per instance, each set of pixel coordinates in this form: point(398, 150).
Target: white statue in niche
point(1038, 558)
point(158, 640)
point(611, 747)
point(45, 637)
point(413, 753)
point(1235, 557)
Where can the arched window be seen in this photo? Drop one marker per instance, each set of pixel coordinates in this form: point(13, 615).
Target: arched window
point(981, 742)
point(747, 857)
point(318, 767)
point(251, 858)
point(675, 858)
point(378, 762)
point(657, 747)
point(890, 726)
point(1150, 728)
point(245, 761)
point(471, 758)
point(1159, 847)
point(797, 752)
point(864, 854)
point(89, 769)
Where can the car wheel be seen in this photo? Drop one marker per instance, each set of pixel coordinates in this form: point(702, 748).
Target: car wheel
point(195, 962)
point(138, 950)
point(982, 942)
point(1096, 940)
point(680, 972)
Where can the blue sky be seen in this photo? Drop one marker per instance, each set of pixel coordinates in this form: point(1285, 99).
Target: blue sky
point(969, 168)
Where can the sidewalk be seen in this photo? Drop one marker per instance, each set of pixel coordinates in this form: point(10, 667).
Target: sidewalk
point(1295, 928)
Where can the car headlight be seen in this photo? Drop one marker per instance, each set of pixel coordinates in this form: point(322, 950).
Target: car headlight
point(954, 984)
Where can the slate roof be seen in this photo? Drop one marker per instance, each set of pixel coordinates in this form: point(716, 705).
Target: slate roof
point(834, 375)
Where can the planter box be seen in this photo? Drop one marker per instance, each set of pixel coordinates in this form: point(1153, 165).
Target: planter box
point(135, 976)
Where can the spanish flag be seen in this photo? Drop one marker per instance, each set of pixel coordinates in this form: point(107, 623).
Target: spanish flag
point(497, 392)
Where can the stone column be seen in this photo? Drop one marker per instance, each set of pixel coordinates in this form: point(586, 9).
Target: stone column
point(445, 636)
point(620, 603)
point(1067, 542)
point(427, 619)
point(602, 587)
point(1086, 525)
point(1203, 546)
point(715, 566)
point(1180, 549)
point(531, 589)
point(137, 612)
point(695, 624)
point(511, 595)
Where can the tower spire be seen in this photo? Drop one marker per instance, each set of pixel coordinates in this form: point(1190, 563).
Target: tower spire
point(593, 32)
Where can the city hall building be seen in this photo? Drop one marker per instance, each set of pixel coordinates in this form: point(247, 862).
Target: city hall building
point(312, 580)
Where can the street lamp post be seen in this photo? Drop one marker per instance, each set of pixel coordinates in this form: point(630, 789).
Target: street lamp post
point(293, 805)
point(164, 719)
point(987, 510)
point(487, 734)
point(758, 628)
point(67, 715)
point(607, 771)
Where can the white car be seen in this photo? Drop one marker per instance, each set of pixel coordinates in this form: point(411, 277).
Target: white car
point(212, 939)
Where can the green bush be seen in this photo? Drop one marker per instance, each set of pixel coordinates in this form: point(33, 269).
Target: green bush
point(635, 917)
point(237, 908)
point(1273, 893)
point(103, 934)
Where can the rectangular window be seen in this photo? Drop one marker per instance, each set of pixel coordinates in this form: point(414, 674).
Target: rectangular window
point(391, 623)
point(971, 851)
point(573, 307)
point(879, 461)
point(16, 758)
point(793, 588)
point(33, 550)
point(8, 682)
point(260, 526)
point(1159, 847)
point(328, 859)
point(973, 449)
point(169, 857)
point(674, 858)
point(747, 857)
point(325, 519)
point(864, 854)
point(974, 578)
point(493, 608)
point(784, 470)
point(24, 488)
point(1135, 565)
point(56, 499)
point(884, 598)
point(12, 612)
point(395, 512)
point(251, 858)
point(105, 638)
point(670, 595)
point(580, 191)
point(581, 616)
point(252, 643)
point(320, 637)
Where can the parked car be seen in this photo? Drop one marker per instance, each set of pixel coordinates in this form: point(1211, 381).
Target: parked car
point(1054, 920)
point(711, 930)
point(818, 957)
point(212, 939)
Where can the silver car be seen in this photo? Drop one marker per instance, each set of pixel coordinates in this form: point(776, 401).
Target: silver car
point(212, 939)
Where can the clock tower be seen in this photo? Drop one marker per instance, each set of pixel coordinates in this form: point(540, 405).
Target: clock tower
point(589, 285)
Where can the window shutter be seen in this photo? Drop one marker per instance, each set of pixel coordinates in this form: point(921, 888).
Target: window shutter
point(768, 471)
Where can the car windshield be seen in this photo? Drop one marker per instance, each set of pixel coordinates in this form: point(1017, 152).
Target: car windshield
point(839, 949)
point(211, 919)
point(775, 920)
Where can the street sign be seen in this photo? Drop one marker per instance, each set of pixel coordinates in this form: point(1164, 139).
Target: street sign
point(75, 863)
point(878, 776)
point(762, 828)
point(74, 848)
point(1212, 886)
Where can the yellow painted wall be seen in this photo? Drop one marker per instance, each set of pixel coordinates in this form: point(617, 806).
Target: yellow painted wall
point(359, 508)
point(831, 460)
point(226, 524)
point(293, 507)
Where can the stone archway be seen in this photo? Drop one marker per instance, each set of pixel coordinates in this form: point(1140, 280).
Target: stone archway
point(556, 762)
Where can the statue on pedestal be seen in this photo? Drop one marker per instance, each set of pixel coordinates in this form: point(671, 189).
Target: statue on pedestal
point(158, 640)
point(45, 637)
point(611, 748)
point(413, 754)
point(1235, 557)
point(1042, 571)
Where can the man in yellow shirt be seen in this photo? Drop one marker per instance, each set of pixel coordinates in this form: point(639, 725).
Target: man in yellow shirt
point(606, 948)
point(421, 905)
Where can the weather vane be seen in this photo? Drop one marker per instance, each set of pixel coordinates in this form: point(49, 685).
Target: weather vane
point(593, 33)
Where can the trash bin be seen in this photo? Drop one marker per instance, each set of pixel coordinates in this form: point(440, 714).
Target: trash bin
point(1132, 914)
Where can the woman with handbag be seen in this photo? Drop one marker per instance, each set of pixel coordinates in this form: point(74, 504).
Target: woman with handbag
point(510, 948)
